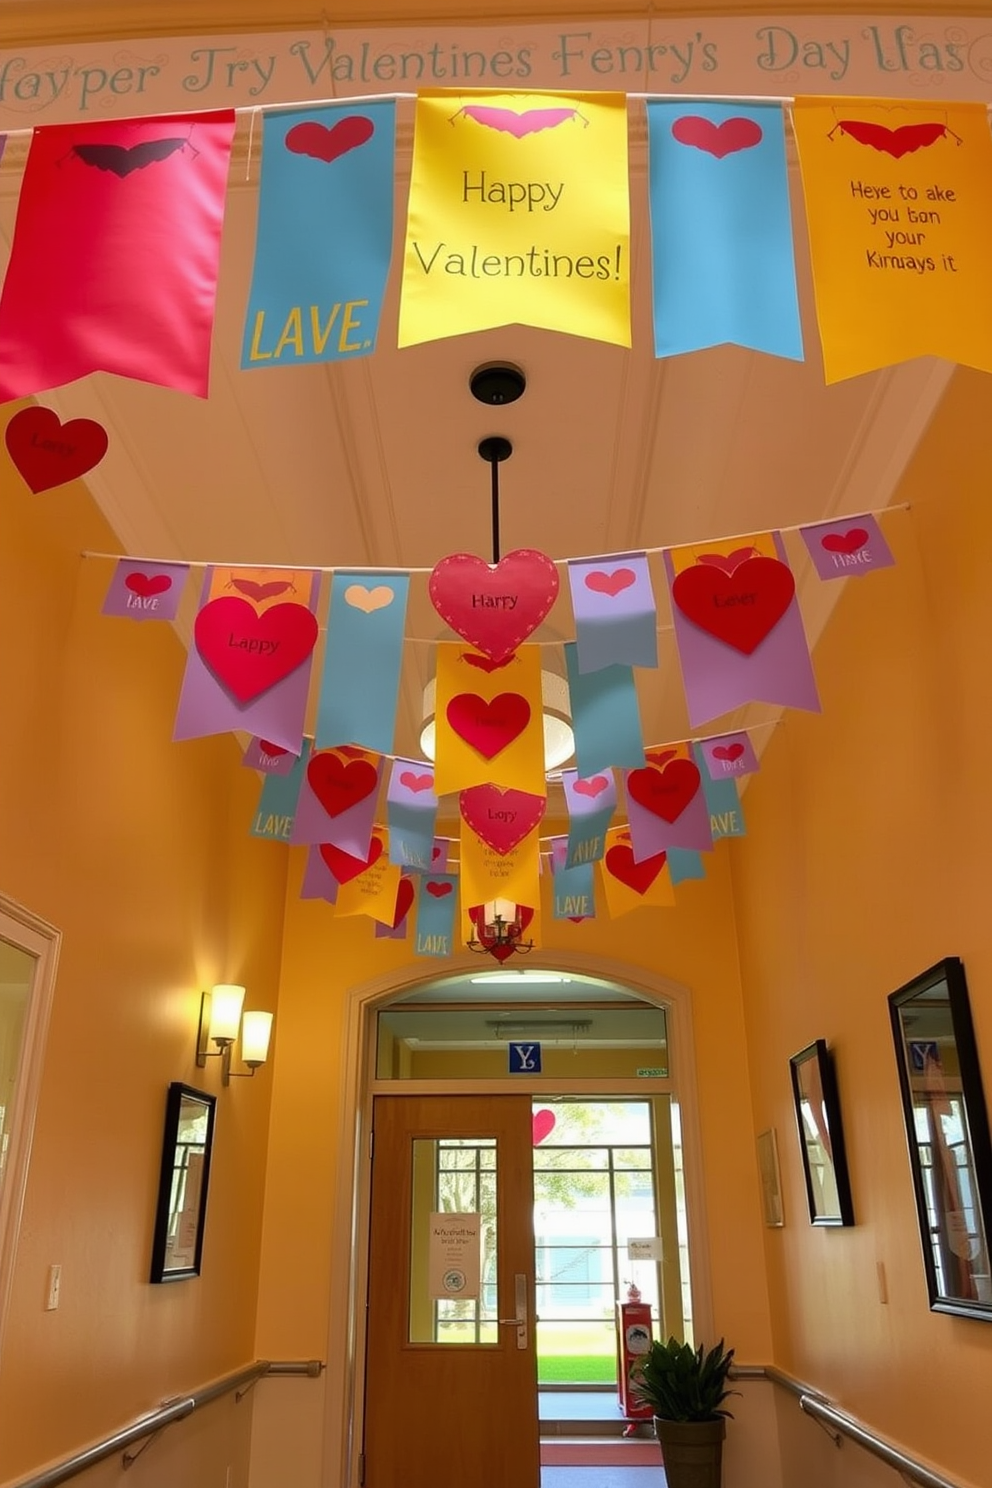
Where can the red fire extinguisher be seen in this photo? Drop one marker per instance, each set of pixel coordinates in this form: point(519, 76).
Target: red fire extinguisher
point(633, 1342)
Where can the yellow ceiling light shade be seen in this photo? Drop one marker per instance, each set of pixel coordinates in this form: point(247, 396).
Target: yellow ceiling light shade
point(559, 740)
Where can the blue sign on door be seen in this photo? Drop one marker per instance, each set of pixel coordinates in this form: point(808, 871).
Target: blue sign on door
point(525, 1059)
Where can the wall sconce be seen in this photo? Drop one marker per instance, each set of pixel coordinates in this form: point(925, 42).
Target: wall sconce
point(220, 1021)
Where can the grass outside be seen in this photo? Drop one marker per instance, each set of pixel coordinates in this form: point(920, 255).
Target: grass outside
point(576, 1353)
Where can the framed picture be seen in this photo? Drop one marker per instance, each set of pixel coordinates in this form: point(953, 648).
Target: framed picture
point(771, 1181)
point(182, 1189)
point(821, 1136)
point(947, 1132)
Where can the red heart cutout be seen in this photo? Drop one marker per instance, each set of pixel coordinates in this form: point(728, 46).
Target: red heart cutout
point(594, 786)
point(146, 587)
point(494, 608)
point(619, 861)
point(47, 452)
point(661, 757)
point(404, 899)
point(416, 783)
point(577, 919)
point(722, 139)
point(610, 583)
point(321, 143)
point(258, 591)
point(273, 750)
point(730, 562)
point(488, 727)
point(845, 542)
point(249, 653)
point(544, 1123)
point(439, 890)
point(483, 662)
point(739, 608)
point(345, 866)
point(339, 786)
point(665, 793)
point(729, 752)
point(501, 818)
point(895, 142)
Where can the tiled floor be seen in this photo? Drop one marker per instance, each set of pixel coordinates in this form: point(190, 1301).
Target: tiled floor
point(583, 1445)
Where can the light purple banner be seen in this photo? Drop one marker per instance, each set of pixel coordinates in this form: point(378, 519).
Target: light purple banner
point(718, 678)
point(351, 829)
point(270, 758)
point(411, 808)
point(854, 545)
point(651, 833)
point(318, 880)
point(591, 803)
point(145, 591)
point(616, 619)
point(728, 755)
point(206, 707)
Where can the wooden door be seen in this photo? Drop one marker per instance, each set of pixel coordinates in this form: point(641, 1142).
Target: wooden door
point(450, 1379)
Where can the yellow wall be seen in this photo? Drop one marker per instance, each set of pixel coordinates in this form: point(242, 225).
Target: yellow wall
point(869, 859)
point(137, 849)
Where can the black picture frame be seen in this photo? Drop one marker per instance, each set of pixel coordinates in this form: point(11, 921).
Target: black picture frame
point(821, 1136)
point(184, 1177)
point(947, 1136)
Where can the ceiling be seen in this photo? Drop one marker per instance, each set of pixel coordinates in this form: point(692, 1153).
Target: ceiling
point(375, 462)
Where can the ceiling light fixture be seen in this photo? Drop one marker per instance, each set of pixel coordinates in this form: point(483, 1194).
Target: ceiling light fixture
point(509, 978)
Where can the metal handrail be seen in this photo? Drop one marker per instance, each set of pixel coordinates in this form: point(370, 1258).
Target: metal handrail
point(171, 1410)
point(838, 1423)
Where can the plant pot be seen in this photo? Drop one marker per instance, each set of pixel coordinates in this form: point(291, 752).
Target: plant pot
point(692, 1452)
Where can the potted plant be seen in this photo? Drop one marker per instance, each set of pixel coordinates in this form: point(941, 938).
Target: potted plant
point(686, 1388)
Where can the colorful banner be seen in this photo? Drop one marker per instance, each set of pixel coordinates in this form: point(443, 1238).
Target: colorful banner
point(616, 621)
point(488, 721)
point(269, 758)
point(899, 206)
point(279, 799)
point(406, 893)
point(436, 908)
point(374, 890)
point(724, 807)
point(629, 884)
point(841, 550)
point(318, 880)
point(519, 215)
point(324, 236)
point(116, 246)
point(338, 800)
point(362, 658)
point(591, 803)
point(411, 810)
point(574, 892)
point(738, 627)
point(727, 756)
point(145, 591)
point(249, 664)
point(666, 806)
point(721, 229)
point(486, 874)
point(685, 864)
point(606, 719)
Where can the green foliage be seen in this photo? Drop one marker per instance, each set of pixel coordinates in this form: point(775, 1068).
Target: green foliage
point(680, 1383)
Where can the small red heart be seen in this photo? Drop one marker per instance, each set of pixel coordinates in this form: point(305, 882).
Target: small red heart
point(637, 876)
point(273, 750)
point(730, 562)
point(738, 609)
point(594, 786)
point(48, 453)
point(729, 752)
point(577, 919)
point(501, 818)
point(259, 592)
point(435, 854)
point(661, 757)
point(345, 866)
point(904, 140)
point(665, 793)
point(249, 653)
point(488, 728)
point(439, 890)
point(321, 143)
point(340, 786)
point(483, 662)
point(610, 583)
point(146, 587)
point(845, 542)
point(543, 1122)
point(404, 899)
point(416, 783)
point(720, 140)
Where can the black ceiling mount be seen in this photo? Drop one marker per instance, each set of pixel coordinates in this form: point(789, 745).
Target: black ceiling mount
point(496, 383)
point(495, 450)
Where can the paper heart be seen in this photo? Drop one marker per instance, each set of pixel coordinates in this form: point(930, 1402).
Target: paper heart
point(544, 1122)
point(416, 783)
point(722, 139)
point(739, 608)
point(146, 586)
point(665, 793)
point(321, 143)
point(640, 876)
point(345, 866)
point(904, 140)
point(577, 919)
point(439, 890)
point(661, 757)
point(729, 752)
point(248, 653)
point(594, 786)
point(483, 662)
point(610, 583)
point(845, 542)
point(339, 786)
point(369, 600)
point(274, 751)
point(259, 592)
point(501, 818)
point(404, 899)
point(48, 453)
point(519, 123)
point(350, 751)
point(494, 609)
point(730, 562)
point(488, 728)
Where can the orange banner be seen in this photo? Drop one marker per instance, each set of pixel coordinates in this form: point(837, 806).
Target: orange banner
point(629, 885)
point(488, 720)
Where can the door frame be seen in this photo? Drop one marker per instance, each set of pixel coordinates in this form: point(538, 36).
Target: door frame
point(357, 1087)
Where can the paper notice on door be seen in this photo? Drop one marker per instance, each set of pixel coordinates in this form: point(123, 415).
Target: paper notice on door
point(646, 1249)
point(455, 1255)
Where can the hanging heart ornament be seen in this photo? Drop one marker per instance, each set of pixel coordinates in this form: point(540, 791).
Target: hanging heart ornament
point(494, 607)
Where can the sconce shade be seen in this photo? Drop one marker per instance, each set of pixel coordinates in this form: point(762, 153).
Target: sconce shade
point(256, 1030)
point(225, 1013)
point(503, 909)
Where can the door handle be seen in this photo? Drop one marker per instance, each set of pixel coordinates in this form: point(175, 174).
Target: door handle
point(520, 1301)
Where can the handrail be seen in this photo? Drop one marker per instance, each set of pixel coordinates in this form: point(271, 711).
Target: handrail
point(171, 1410)
point(814, 1403)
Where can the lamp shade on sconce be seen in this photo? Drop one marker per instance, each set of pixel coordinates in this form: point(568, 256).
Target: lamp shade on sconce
point(225, 1013)
point(256, 1030)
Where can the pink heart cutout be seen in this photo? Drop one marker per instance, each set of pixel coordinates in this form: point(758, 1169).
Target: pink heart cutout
point(845, 542)
point(145, 586)
point(416, 783)
point(439, 890)
point(321, 143)
point(259, 592)
point(594, 786)
point(733, 560)
point(720, 140)
point(610, 583)
point(729, 752)
point(501, 818)
point(226, 628)
point(544, 1123)
point(494, 608)
point(274, 751)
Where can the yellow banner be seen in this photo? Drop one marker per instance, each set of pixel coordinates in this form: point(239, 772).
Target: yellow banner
point(899, 206)
point(485, 875)
point(489, 728)
point(519, 215)
point(629, 885)
point(730, 551)
point(373, 892)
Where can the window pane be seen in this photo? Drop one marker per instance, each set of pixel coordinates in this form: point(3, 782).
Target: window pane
point(452, 1283)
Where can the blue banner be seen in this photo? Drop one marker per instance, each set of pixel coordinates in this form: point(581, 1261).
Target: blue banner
point(722, 802)
point(721, 228)
point(437, 904)
point(362, 658)
point(574, 893)
point(277, 803)
point(324, 236)
point(683, 863)
point(606, 719)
